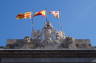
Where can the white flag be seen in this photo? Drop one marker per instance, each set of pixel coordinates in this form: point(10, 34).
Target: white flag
point(55, 13)
point(27, 15)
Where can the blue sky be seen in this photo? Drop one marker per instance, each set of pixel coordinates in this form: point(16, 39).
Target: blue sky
point(78, 18)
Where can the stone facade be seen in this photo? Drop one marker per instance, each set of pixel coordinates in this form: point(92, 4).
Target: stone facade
point(47, 56)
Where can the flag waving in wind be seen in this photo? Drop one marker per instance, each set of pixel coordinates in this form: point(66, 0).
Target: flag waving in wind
point(20, 16)
point(42, 12)
point(55, 13)
point(27, 15)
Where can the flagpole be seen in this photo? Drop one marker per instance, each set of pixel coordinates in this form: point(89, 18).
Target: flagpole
point(32, 21)
point(46, 18)
point(59, 19)
point(46, 15)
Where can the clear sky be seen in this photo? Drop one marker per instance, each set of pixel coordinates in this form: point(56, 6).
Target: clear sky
point(78, 18)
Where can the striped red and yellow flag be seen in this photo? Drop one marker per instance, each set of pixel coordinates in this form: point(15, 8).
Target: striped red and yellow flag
point(28, 15)
point(20, 16)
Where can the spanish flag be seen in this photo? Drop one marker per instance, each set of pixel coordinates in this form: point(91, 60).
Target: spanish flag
point(42, 12)
point(20, 16)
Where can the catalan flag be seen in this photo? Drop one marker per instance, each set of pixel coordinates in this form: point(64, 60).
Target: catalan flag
point(27, 15)
point(20, 16)
point(42, 12)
